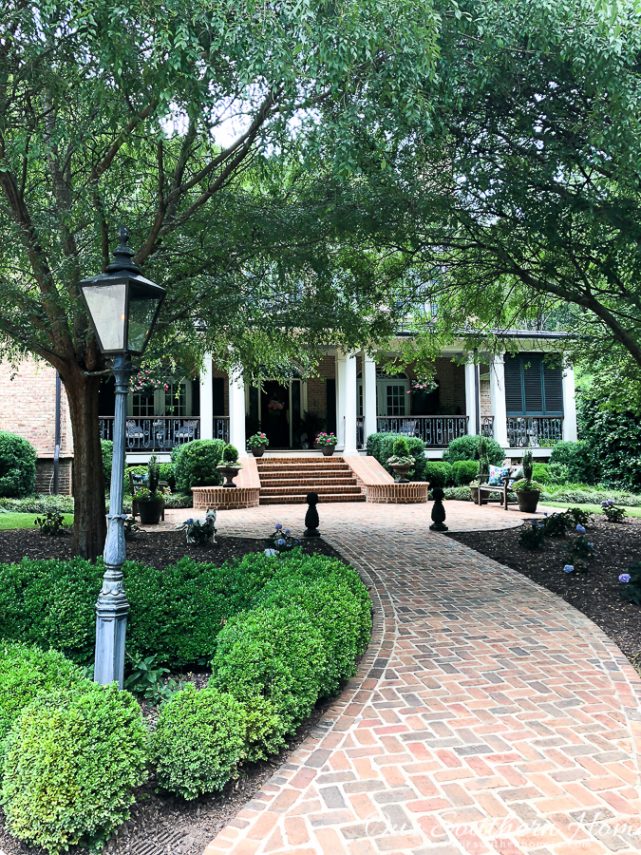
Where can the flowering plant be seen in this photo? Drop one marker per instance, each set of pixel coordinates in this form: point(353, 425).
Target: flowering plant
point(326, 440)
point(282, 539)
point(258, 440)
point(612, 512)
point(631, 584)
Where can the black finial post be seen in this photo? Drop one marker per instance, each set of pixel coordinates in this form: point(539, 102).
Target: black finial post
point(311, 517)
point(124, 254)
point(438, 511)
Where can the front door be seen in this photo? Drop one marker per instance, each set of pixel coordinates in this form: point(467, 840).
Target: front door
point(275, 413)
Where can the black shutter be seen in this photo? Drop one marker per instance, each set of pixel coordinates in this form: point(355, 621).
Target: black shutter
point(532, 383)
point(553, 390)
point(513, 396)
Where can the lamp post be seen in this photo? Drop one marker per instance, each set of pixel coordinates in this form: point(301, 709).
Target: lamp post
point(123, 307)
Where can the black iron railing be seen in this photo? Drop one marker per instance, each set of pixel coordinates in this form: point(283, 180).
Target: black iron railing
point(435, 431)
point(487, 425)
point(533, 431)
point(156, 433)
point(221, 428)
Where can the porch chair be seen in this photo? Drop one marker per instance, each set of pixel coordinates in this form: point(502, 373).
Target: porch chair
point(407, 427)
point(187, 431)
point(133, 432)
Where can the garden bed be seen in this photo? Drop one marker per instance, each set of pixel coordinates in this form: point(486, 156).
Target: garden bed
point(163, 822)
point(595, 593)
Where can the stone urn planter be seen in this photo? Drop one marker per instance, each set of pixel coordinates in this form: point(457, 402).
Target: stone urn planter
point(229, 472)
point(401, 471)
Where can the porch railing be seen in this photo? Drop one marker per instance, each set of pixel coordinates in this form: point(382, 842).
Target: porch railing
point(487, 426)
point(531, 431)
point(221, 428)
point(156, 433)
point(360, 432)
point(435, 431)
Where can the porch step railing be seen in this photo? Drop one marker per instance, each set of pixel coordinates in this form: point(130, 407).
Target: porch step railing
point(435, 431)
point(156, 433)
point(221, 428)
point(532, 431)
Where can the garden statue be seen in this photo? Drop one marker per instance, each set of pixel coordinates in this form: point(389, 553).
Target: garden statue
point(311, 517)
point(438, 510)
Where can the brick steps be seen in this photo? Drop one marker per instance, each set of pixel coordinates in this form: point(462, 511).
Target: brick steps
point(287, 480)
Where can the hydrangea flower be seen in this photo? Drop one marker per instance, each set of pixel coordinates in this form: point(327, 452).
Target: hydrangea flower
point(271, 553)
point(624, 578)
point(280, 542)
point(568, 568)
point(278, 526)
point(580, 528)
point(287, 531)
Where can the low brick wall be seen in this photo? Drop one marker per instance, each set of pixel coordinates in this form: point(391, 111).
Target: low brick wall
point(225, 498)
point(44, 476)
point(411, 493)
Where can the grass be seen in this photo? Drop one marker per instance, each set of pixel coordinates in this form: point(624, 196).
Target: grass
point(13, 520)
point(594, 509)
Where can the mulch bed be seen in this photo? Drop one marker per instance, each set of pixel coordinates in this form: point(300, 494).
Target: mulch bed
point(162, 824)
point(595, 593)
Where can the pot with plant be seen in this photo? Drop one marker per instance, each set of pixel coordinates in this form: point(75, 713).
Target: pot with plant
point(229, 465)
point(326, 442)
point(257, 443)
point(150, 501)
point(401, 462)
point(527, 491)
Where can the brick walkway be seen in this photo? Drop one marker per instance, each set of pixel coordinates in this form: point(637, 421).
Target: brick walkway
point(487, 717)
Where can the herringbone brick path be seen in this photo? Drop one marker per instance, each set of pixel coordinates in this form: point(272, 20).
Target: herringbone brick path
point(487, 717)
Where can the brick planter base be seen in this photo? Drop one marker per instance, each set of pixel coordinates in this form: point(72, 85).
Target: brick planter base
point(225, 498)
point(398, 494)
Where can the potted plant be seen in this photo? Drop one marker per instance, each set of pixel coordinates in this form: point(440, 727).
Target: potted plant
point(229, 465)
point(401, 462)
point(150, 501)
point(257, 443)
point(326, 442)
point(527, 491)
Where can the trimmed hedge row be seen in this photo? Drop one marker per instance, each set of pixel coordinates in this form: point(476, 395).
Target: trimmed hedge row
point(283, 631)
point(380, 446)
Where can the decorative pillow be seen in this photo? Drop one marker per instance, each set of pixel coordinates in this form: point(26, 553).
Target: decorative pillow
point(497, 474)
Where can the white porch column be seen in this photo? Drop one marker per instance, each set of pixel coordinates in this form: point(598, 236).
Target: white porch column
point(569, 405)
point(497, 398)
point(370, 424)
point(471, 396)
point(346, 402)
point(206, 399)
point(237, 411)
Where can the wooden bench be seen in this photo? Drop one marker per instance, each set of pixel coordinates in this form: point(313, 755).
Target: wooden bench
point(503, 489)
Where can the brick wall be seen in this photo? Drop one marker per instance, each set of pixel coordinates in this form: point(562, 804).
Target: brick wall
point(486, 403)
point(44, 476)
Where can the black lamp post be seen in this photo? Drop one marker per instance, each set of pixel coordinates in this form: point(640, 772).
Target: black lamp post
point(123, 307)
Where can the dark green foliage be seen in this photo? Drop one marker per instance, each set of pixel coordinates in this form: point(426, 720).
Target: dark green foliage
point(581, 548)
point(578, 459)
point(438, 473)
point(148, 680)
point(464, 471)
point(178, 500)
point(470, 447)
point(631, 589)
point(17, 466)
point(527, 465)
point(613, 513)
point(264, 735)
point(276, 653)
point(400, 447)
point(611, 442)
point(107, 448)
point(458, 494)
point(541, 472)
point(558, 473)
point(559, 524)
point(199, 741)
point(579, 516)
point(38, 504)
point(532, 536)
point(167, 475)
point(72, 763)
point(195, 465)
point(582, 494)
point(153, 474)
point(140, 470)
point(52, 524)
point(381, 445)
point(230, 454)
point(26, 672)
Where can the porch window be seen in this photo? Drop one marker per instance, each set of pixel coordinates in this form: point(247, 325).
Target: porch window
point(533, 387)
point(176, 399)
point(392, 398)
point(143, 403)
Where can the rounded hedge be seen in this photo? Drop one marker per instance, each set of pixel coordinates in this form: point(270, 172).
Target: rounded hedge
point(27, 672)
point(72, 762)
point(381, 447)
point(438, 473)
point(107, 450)
point(198, 742)
point(195, 464)
point(17, 466)
point(276, 653)
point(333, 609)
point(467, 448)
point(464, 471)
point(576, 457)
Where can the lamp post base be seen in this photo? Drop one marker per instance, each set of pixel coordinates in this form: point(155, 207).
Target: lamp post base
point(112, 609)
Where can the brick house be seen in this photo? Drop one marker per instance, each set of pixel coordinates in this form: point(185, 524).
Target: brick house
point(520, 398)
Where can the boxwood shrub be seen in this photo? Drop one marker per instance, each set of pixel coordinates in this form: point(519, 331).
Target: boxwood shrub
point(438, 473)
point(199, 741)
point(467, 448)
point(26, 672)
point(464, 471)
point(17, 466)
point(195, 464)
point(72, 762)
point(380, 446)
point(276, 653)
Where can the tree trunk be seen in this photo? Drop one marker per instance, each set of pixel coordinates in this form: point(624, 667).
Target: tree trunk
point(88, 480)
